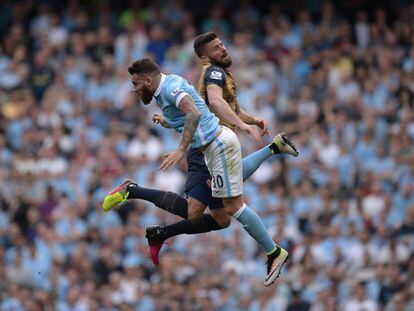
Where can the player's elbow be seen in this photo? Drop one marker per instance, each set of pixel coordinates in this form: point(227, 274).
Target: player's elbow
point(195, 115)
point(225, 223)
point(214, 102)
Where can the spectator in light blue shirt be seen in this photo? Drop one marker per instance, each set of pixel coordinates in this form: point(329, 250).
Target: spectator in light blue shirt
point(365, 149)
point(381, 164)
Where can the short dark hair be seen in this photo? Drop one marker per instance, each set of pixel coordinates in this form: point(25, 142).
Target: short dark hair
point(143, 66)
point(201, 40)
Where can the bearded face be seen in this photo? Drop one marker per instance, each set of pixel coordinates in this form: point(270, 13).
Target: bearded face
point(224, 61)
point(142, 89)
point(146, 95)
point(217, 54)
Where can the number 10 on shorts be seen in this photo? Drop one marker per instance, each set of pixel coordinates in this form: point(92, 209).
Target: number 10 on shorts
point(217, 181)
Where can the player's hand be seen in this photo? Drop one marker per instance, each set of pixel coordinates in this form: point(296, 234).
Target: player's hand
point(159, 119)
point(171, 159)
point(251, 130)
point(263, 125)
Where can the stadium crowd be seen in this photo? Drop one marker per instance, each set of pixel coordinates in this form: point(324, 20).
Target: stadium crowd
point(337, 76)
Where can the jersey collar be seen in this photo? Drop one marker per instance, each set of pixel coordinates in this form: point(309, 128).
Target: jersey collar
point(207, 63)
point(162, 80)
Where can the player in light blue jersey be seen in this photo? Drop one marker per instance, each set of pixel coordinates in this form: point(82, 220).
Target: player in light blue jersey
point(184, 110)
point(171, 90)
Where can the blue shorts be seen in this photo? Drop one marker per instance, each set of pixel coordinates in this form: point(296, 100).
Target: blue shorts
point(198, 176)
point(202, 193)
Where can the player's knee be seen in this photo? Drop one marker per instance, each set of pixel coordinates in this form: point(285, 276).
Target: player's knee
point(195, 209)
point(232, 205)
point(193, 216)
point(222, 218)
point(225, 221)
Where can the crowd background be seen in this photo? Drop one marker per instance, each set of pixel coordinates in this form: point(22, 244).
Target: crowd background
point(337, 76)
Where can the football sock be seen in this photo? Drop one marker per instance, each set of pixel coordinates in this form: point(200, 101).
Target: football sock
point(206, 223)
point(252, 162)
point(255, 228)
point(167, 200)
point(274, 149)
point(275, 252)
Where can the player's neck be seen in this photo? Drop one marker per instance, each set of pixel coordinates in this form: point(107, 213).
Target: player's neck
point(226, 69)
point(156, 84)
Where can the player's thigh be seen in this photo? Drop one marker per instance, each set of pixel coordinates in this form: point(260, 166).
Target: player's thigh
point(195, 208)
point(199, 197)
point(224, 161)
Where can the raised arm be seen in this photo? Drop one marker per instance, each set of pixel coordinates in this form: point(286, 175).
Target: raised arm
point(222, 109)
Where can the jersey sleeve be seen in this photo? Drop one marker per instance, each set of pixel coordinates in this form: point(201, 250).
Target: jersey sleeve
point(215, 75)
point(175, 91)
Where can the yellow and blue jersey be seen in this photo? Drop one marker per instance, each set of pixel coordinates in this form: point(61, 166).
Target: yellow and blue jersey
point(171, 90)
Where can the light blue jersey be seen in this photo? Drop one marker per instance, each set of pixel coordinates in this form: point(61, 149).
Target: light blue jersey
point(171, 90)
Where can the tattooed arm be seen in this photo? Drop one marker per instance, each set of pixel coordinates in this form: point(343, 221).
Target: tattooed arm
point(192, 117)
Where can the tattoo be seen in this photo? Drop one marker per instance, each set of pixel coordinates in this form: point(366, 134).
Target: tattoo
point(190, 126)
point(192, 117)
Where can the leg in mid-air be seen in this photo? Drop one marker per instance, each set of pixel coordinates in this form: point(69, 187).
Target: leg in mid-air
point(199, 197)
point(158, 234)
point(223, 158)
point(281, 144)
point(252, 223)
point(177, 205)
point(197, 193)
point(192, 210)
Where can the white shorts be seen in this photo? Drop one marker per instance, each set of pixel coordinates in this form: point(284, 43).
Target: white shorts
point(224, 161)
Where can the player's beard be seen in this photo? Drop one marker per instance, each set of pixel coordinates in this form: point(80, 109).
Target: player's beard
point(146, 96)
point(224, 62)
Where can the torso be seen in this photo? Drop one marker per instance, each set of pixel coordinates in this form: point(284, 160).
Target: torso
point(229, 91)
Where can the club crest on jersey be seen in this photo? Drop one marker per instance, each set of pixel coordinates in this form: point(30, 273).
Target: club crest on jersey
point(217, 75)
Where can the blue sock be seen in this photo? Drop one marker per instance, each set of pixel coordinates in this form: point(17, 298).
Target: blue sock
point(252, 162)
point(254, 226)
